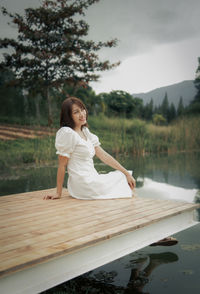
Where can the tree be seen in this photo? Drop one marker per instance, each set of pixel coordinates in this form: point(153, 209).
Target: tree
point(50, 49)
point(165, 107)
point(12, 100)
point(194, 106)
point(172, 112)
point(197, 83)
point(137, 107)
point(87, 95)
point(148, 110)
point(159, 119)
point(180, 109)
point(122, 103)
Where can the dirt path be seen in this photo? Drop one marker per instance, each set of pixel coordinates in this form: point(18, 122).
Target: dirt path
point(12, 132)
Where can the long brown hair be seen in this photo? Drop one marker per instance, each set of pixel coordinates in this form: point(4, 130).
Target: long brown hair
point(66, 112)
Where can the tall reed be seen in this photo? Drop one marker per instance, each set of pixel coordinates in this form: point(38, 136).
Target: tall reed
point(117, 136)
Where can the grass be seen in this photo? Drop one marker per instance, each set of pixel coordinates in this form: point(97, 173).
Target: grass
point(26, 151)
point(120, 135)
point(117, 136)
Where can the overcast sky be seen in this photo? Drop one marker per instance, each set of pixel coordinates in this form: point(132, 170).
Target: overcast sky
point(159, 40)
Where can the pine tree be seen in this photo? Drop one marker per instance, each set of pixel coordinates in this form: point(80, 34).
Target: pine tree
point(180, 109)
point(172, 112)
point(194, 106)
point(165, 107)
point(148, 110)
point(197, 83)
point(50, 49)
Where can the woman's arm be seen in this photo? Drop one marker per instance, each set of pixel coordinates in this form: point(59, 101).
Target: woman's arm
point(62, 163)
point(109, 160)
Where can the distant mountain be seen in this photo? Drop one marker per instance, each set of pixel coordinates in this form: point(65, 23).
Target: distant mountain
point(186, 89)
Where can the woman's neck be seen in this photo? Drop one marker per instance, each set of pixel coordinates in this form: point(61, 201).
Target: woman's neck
point(78, 129)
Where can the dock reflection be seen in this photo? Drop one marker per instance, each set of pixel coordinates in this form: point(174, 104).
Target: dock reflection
point(142, 268)
point(101, 281)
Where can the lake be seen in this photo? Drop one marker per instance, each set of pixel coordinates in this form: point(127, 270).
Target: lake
point(151, 269)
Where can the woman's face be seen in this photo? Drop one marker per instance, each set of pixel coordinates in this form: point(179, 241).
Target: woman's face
point(78, 115)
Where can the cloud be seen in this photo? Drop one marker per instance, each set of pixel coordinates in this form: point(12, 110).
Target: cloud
point(159, 40)
point(138, 24)
point(141, 25)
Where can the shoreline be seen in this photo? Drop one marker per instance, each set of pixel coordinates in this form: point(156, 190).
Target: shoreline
point(119, 137)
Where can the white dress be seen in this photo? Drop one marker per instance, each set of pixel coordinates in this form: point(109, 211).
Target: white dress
point(84, 182)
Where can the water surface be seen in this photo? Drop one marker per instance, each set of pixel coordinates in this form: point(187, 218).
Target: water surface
point(151, 269)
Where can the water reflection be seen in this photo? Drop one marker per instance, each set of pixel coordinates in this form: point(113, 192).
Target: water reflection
point(27, 179)
point(150, 188)
point(175, 177)
point(140, 267)
point(180, 170)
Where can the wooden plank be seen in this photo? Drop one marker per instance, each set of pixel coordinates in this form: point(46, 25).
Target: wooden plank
point(33, 230)
point(81, 224)
point(45, 218)
point(47, 274)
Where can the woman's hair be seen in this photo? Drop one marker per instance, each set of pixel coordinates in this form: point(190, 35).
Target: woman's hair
point(66, 112)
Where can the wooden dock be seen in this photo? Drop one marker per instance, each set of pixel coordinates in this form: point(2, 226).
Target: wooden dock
point(46, 242)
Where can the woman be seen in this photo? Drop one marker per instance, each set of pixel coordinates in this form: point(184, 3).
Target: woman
point(76, 147)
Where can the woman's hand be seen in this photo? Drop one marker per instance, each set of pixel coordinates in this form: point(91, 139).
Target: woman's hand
point(109, 160)
point(62, 160)
point(131, 181)
point(52, 197)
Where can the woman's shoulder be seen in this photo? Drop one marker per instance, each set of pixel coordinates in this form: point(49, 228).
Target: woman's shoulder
point(65, 130)
point(87, 130)
point(66, 133)
point(94, 139)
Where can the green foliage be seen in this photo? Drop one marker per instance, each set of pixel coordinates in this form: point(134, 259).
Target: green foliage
point(117, 136)
point(171, 112)
point(197, 82)
point(180, 109)
point(26, 151)
point(184, 135)
point(158, 119)
point(168, 112)
point(148, 110)
point(165, 107)
point(51, 49)
point(194, 107)
point(121, 103)
point(89, 98)
point(12, 100)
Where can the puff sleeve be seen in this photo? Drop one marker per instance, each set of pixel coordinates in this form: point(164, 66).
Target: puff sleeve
point(93, 138)
point(65, 141)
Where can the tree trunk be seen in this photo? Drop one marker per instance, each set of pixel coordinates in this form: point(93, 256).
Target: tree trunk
point(50, 116)
point(37, 106)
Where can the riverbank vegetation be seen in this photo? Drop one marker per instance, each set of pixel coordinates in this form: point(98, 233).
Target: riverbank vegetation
point(118, 136)
point(123, 123)
point(35, 80)
point(26, 108)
